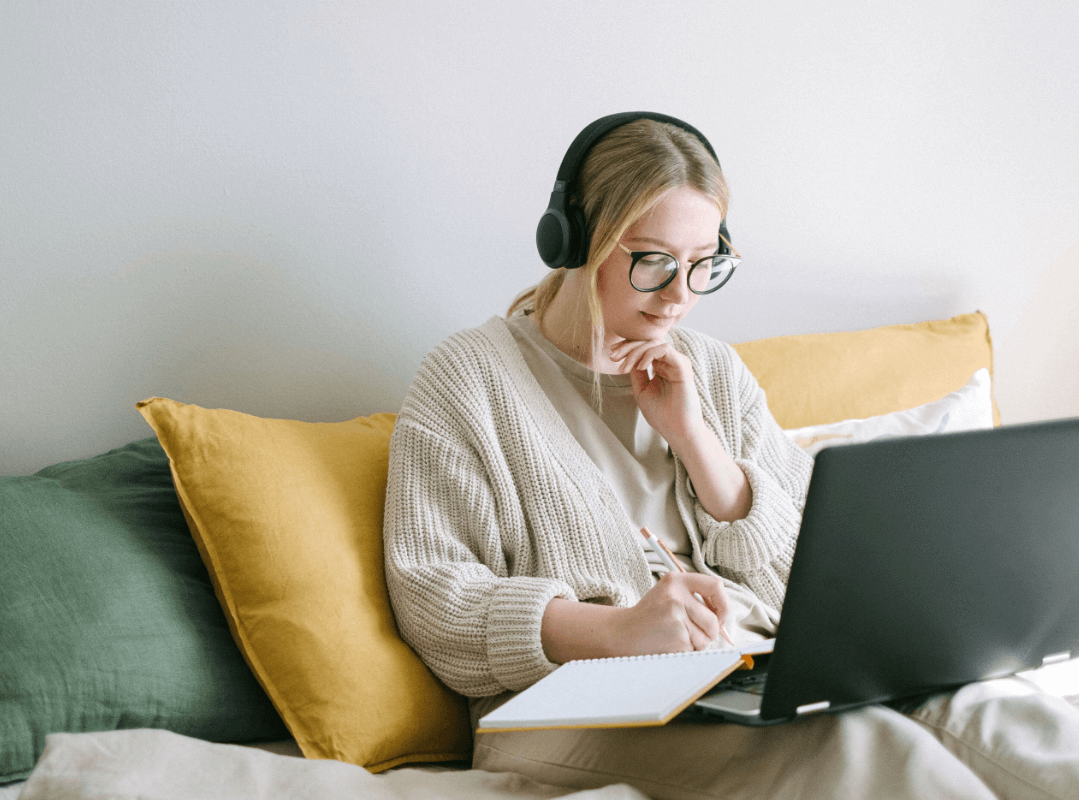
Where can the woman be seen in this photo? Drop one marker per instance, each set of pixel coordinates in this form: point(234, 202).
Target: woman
point(530, 451)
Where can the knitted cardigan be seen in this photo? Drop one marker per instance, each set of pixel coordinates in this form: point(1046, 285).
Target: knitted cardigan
point(493, 508)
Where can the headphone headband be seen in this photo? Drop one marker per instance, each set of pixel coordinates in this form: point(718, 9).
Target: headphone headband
point(562, 234)
point(586, 139)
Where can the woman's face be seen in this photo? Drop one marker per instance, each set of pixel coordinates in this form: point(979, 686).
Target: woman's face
point(684, 223)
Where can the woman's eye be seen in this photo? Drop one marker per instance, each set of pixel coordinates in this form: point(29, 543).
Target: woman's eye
point(656, 261)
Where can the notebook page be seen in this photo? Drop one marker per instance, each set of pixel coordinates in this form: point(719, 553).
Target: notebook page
point(608, 692)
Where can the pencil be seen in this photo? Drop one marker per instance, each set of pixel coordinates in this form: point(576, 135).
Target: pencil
point(664, 553)
point(670, 552)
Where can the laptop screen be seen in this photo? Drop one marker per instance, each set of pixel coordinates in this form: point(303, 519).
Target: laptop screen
point(928, 562)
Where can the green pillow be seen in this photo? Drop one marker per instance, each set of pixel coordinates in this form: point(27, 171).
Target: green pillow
point(108, 618)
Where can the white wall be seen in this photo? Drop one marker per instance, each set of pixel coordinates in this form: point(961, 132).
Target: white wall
point(280, 207)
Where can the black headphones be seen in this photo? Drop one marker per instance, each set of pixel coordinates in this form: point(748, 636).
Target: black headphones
point(562, 235)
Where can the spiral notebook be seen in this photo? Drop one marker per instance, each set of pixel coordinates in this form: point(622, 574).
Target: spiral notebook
point(630, 691)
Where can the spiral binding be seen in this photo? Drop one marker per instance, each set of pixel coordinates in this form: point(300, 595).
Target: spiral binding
point(653, 655)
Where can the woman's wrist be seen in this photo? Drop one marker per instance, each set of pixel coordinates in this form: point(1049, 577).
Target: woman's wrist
point(689, 444)
point(719, 483)
point(573, 630)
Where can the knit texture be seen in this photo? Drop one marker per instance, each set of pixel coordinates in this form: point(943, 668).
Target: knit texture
point(493, 508)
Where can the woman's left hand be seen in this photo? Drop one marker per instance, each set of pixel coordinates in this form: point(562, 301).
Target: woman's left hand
point(668, 400)
point(670, 403)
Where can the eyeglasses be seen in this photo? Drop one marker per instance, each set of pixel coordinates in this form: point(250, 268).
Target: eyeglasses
point(651, 271)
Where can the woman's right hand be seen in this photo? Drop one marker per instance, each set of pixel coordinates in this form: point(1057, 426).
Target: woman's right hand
point(670, 619)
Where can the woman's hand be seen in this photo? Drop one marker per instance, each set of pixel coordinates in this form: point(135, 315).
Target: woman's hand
point(668, 400)
point(669, 619)
point(684, 611)
point(670, 403)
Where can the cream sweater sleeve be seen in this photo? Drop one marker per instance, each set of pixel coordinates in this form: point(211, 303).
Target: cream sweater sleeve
point(756, 551)
point(450, 510)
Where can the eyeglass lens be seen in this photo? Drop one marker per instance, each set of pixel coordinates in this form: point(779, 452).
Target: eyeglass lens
point(653, 271)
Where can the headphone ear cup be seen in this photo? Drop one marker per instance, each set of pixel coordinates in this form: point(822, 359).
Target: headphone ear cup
point(562, 238)
point(553, 238)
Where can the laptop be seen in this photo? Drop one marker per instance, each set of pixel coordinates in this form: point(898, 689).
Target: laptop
point(923, 563)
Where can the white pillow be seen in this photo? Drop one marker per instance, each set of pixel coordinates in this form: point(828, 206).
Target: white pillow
point(966, 409)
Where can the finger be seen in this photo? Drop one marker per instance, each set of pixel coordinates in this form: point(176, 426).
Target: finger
point(703, 618)
point(619, 349)
point(698, 639)
point(644, 356)
point(693, 635)
point(629, 345)
point(638, 381)
point(630, 356)
point(721, 628)
point(710, 587)
point(642, 365)
point(711, 591)
point(670, 618)
point(670, 365)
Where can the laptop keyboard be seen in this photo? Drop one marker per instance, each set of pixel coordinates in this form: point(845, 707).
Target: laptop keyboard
point(752, 683)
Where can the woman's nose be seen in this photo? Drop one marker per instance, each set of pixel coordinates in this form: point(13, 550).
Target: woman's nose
point(677, 291)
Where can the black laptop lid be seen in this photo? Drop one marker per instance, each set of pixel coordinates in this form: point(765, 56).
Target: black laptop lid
point(927, 562)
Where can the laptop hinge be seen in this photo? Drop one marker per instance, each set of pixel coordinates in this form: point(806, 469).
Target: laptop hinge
point(809, 708)
point(1056, 658)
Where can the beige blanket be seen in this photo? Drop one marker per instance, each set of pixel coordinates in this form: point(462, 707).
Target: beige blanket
point(159, 765)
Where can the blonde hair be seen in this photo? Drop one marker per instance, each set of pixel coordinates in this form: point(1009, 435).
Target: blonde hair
point(623, 176)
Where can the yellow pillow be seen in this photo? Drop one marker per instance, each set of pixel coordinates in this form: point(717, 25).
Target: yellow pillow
point(288, 518)
point(813, 379)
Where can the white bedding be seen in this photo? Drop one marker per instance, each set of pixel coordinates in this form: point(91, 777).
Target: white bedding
point(159, 765)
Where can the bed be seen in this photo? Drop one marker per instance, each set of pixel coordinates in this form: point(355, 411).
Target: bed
point(203, 612)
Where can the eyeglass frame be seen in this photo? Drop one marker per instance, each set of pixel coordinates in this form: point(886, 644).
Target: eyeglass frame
point(637, 255)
